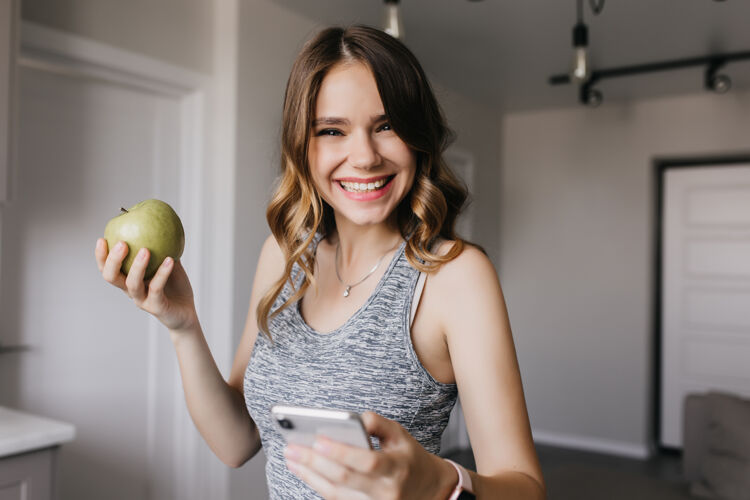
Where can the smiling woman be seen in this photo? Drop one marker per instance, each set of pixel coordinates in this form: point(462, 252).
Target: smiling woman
point(395, 120)
point(363, 179)
point(364, 300)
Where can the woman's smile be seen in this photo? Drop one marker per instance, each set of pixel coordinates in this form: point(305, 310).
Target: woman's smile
point(365, 189)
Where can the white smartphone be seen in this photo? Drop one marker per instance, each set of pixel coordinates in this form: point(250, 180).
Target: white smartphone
point(300, 425)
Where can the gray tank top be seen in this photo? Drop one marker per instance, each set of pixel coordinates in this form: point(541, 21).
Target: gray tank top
point(368, 363)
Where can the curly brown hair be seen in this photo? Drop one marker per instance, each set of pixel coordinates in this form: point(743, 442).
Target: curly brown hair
point(297, 211)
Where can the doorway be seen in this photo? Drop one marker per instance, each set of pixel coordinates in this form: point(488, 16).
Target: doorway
point(702, 318)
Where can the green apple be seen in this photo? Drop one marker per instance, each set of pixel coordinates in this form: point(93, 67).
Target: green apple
point(151, 224)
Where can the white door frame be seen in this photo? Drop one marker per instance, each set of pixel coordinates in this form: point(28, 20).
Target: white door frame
point(206, 199)
point(661, 168)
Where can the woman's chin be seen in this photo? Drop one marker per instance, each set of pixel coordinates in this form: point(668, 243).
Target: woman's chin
point(360, 219)
point(367, 212)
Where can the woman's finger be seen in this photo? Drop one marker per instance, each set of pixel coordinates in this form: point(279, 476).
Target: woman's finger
point(111, 271)
point(134, 281)
point(159, 281)
point(387, 431)
point(335, 472)
point(100, 253)
point(325, 487)
point(313, 479)
point(361, 460)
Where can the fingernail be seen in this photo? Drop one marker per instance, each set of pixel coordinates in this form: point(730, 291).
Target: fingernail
point(142, 254)
point(292, 453)
point(322, 446)
point(121, 246)
point(168, 262)
point(292, 467)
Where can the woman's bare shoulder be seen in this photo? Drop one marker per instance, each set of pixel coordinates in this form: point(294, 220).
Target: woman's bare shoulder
point(470, 262)
point(463, 281)
point(271, 253)
point(271, 264)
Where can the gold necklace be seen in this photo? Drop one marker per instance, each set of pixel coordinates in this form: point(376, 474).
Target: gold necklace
point(369, 273)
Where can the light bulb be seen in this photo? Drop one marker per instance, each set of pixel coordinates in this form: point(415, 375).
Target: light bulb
point(581, 69)
point(393, 24)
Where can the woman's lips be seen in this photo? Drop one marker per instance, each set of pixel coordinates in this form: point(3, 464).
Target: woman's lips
point(366, 195)
point(364, 181)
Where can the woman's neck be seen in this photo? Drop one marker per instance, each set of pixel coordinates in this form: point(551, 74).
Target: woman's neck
point(363, 245)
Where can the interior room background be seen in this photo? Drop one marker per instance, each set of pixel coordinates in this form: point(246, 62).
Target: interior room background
point(563, 201)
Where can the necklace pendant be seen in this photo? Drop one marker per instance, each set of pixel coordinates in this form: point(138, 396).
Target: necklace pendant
point(346, 291)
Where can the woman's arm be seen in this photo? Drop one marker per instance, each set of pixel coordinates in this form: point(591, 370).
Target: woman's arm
point(477, 331)
point(270, 268)
point(216, 406)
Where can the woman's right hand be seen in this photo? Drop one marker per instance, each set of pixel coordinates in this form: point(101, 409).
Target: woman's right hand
point(168, 295)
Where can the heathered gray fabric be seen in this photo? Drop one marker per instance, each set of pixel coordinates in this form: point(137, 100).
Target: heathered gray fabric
point(368, 363)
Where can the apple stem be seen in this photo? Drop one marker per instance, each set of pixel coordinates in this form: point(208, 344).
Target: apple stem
point(123, 210)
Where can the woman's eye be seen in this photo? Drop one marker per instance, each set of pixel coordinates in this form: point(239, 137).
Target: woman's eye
point(384, 127)
point(329, 131)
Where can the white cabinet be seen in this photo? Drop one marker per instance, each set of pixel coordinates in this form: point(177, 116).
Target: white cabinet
point(28, 448)
point(28, 476)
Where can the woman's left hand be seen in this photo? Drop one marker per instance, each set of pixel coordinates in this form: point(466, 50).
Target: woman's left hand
point(403, 469)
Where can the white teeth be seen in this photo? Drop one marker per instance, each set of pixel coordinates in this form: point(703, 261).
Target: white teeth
point(356, 187)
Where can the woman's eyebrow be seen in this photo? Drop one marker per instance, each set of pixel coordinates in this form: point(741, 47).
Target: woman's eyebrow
point(335, 120)
point(330, 120)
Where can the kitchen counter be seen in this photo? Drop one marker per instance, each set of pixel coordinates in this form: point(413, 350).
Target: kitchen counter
point(22, 432)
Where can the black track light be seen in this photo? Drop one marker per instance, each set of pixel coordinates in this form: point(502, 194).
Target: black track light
point(590, 96)
point(719, 83)
point(586, 78)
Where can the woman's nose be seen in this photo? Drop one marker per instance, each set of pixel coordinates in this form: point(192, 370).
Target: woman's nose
point(363, 152)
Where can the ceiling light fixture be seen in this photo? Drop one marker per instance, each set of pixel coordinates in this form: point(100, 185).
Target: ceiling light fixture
point(581, 71)
point(715, 82)
point(583, 75)
point(393, 24)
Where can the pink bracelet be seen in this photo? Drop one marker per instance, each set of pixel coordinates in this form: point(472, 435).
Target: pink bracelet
point(464, 481)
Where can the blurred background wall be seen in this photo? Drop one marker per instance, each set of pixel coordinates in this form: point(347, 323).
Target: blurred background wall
point(578, 214)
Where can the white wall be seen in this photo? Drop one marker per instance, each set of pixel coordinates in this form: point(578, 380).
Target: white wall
point(477, 128)
point(577, 206)
point(177, 31)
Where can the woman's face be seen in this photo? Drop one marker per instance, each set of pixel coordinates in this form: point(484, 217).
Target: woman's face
point(358, 163)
